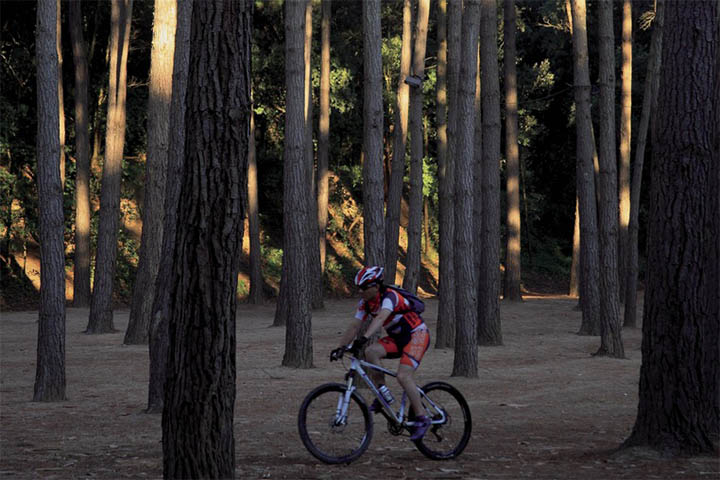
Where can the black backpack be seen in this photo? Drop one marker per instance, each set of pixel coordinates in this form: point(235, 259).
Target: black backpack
point(416, 305)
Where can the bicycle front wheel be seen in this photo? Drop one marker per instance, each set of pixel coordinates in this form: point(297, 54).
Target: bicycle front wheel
point(329, 433)
point(450, 431)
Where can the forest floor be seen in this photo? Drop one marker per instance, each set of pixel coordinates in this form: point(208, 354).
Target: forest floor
point(542, 407)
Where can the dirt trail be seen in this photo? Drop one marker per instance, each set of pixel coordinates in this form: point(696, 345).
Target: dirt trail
point(542, 406)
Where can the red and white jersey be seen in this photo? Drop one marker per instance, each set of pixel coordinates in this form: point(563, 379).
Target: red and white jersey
point(399, 307)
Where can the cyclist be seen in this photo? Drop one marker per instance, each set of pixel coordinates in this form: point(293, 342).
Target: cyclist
point(408, 338)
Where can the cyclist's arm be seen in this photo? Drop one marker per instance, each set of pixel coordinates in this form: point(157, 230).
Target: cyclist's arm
point(377, 322)
point(350, 332)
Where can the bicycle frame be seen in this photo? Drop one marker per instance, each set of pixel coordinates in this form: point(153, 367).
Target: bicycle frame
point(437, 415)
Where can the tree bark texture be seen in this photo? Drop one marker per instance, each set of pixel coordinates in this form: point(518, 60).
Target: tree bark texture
point(678, 408)
point(101, 313)
point(81, 261)
point(255, 296)
point(512, 251)
point(449, 12)
point(198, 439)
point(323, 190)
point(373, 195)
point(625, 139)
point(652, 81)
point(414, 250)
point(489, 328)
point(297, 228)
point(585, 177)
point(477, 166)
point(574, 289)
point(610, 325)
point(61, 93)
point(159, 325)
point(50, 366)
point(161, 72)
point(465, 362)
point(400, 133)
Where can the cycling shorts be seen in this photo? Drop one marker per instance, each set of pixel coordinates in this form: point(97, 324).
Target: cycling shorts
point(411, 351)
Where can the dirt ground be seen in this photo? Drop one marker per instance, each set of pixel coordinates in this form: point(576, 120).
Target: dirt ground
point(542, 406)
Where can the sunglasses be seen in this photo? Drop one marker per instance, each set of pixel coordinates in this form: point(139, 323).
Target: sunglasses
point(365, 287)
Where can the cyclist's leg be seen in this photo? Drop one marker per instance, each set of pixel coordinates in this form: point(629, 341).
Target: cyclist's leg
point(374, 353)
point(410, 360)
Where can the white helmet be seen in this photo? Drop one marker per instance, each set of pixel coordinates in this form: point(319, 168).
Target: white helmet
point(369, 276)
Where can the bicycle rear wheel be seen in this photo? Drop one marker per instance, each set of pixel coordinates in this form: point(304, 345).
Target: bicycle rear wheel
point(329, 436)
point(448, 439)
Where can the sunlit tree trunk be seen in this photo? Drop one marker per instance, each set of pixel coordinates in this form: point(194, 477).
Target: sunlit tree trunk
point(256, 277)
point(373, 201)
point(414, 249)
point(160, 92)
point(61, 93)
point(625, 138)
point(610, 326)
point(197, 424)
point(574, 290)
point(585, 177)
point(81, 274)
point(101, 313)
point(465, 361)
point(392, 214)
point(512, 156)
point(678, 410)
point(489, 328)
point(50, 366)
point(449, 12)
point(652, 81)
point(161, 311)
point(297, 228)
point(324, 132)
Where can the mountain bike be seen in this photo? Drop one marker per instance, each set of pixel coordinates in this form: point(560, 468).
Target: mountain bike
point(336, 425)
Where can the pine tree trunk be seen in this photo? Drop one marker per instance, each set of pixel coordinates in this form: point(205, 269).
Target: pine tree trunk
point(161, 71)
point(489, 328)
point(610, 325)
point(373, 197)
point(256, 277)
point(448, 11)
point(512, 155)
point(198, 440)
point(81, 261)
point(414, 250)
point(589, 274)
point(678, 409)
point(297, 228)
point(159, 334)
point(50, 366)
point(625, 139)
point(574, 289)
point(324, 132)
point(465, 361)
point(101, 313)
point(400, 133)
point(652, 80)
point(61, 93)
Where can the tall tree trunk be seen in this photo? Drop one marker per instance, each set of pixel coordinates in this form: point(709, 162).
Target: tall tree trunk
point(449, 12)
point(610, 326)
point(489, 328)
point(392, 214)
point(374, 225)
point(101, 313)
point(589, 273)
point(256, 277)
point(574, 290)
point(465, 362)
point(414, 250)
point(161, 310)
point(652, 81)
point(477, 166)
point(197, 423)
point(297, 227)
point(61, 93)
point(315, 272)
point(625, 138)
point(512, 250)
point(161, 71)
point(50, 366)
point(81, 276)
point(678, 409)
point(324, 132)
